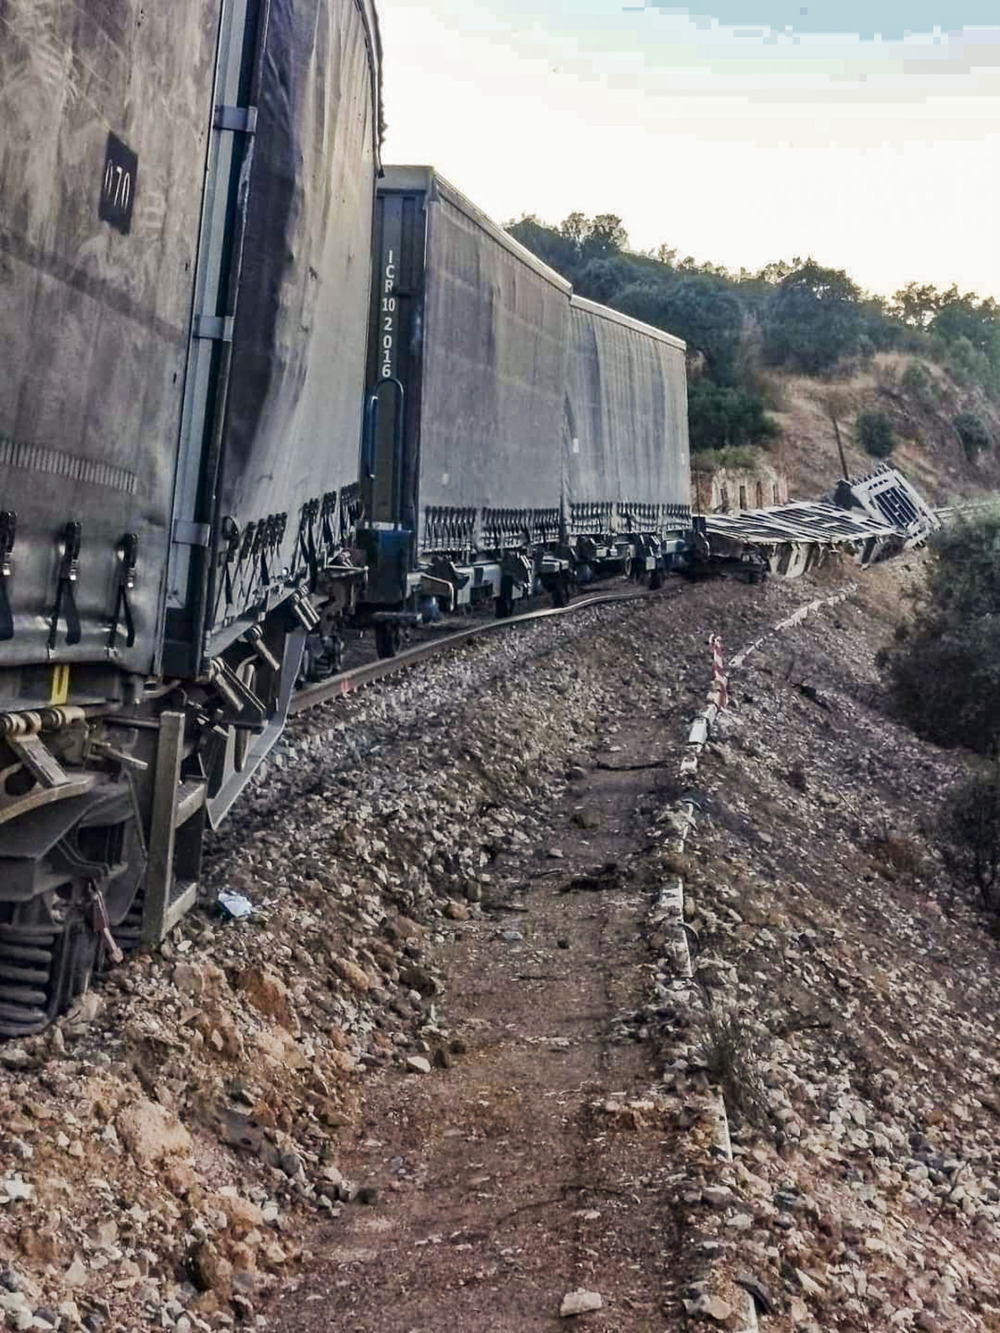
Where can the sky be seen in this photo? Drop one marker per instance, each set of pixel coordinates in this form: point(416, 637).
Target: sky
point(863, 134)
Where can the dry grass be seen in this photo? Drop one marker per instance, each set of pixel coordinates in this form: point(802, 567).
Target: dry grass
point(734, 1053)
point(900, 853)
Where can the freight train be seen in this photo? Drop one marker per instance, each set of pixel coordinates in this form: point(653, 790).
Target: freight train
point(255, 388)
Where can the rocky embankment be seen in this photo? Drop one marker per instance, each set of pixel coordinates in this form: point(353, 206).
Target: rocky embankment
point(862, 990)
point(167, 1146)
point(214, 1129)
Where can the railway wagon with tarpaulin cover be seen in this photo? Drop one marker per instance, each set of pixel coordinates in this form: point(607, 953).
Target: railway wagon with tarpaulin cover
point(627, 482)
point(462, 464)
point(517, 436)
point(186, 197)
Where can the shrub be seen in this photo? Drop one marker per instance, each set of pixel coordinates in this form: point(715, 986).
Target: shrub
point(734, 1054)
point(970, 833)
point(966, 363)
point(875, 435)
point(918, 382)
point(735, 457)
point(719, 417)
point(898, 852)
point(945, 673)
point(974, 434)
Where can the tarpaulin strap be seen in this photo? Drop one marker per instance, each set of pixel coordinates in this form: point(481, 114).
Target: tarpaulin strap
point(231, 533)
point(8, 529)
point(274, 532)
point(350, 509)
point(247, 549)
point(260, 549)
point(326, 513)
point(69, 568)
point(128, 553)
point(306, 546)
point(271, 533)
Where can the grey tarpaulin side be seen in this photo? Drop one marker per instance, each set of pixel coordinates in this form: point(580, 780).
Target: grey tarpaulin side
point(95, 322)
point(495, 337)
point(298, 372)
point(626, 411)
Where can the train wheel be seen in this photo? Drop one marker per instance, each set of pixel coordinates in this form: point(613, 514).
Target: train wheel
point(386, 639)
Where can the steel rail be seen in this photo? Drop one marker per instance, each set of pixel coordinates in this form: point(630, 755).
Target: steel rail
point(346, 682)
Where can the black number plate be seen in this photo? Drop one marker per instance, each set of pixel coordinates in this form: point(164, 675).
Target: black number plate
point(121, 167)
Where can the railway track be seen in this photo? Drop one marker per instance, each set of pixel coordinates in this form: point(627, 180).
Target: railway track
point(346, 682)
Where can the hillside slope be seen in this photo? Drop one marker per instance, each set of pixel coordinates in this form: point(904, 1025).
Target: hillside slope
point(824, 915)
point(928, 448)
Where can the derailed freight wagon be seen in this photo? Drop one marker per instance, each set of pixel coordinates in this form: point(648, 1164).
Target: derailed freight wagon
point(627, 483)
point(183, 296)
point(516, 436)
point(462, 468)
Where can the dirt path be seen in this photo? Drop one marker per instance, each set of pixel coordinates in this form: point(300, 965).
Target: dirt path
point(173, 1151)
point(501, 1181)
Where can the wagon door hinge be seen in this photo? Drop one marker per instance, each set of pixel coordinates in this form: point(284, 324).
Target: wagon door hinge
point(127, 554)
point(185, 532)
point(69, 569)
point(8, 530)
point(214, 328)
point(238, 119)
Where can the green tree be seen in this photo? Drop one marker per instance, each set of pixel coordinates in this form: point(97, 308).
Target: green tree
point(966, 331)
point(574, 228)
point(916, 304)
point(974, 434)
point(605, 236)
point(720, 417)
point(551, 246)
point(813, 319)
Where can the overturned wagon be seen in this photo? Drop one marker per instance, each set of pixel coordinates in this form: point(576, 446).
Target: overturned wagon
point(869, 518)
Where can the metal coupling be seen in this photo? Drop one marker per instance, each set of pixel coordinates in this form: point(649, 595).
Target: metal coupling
point(20, 724)
point(63, 716)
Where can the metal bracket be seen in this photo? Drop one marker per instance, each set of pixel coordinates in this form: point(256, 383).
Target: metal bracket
point(214, 328)
point(187, 533)
point(8, 531)
point(39, 760)
point(239, 119)
point(246, 709)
